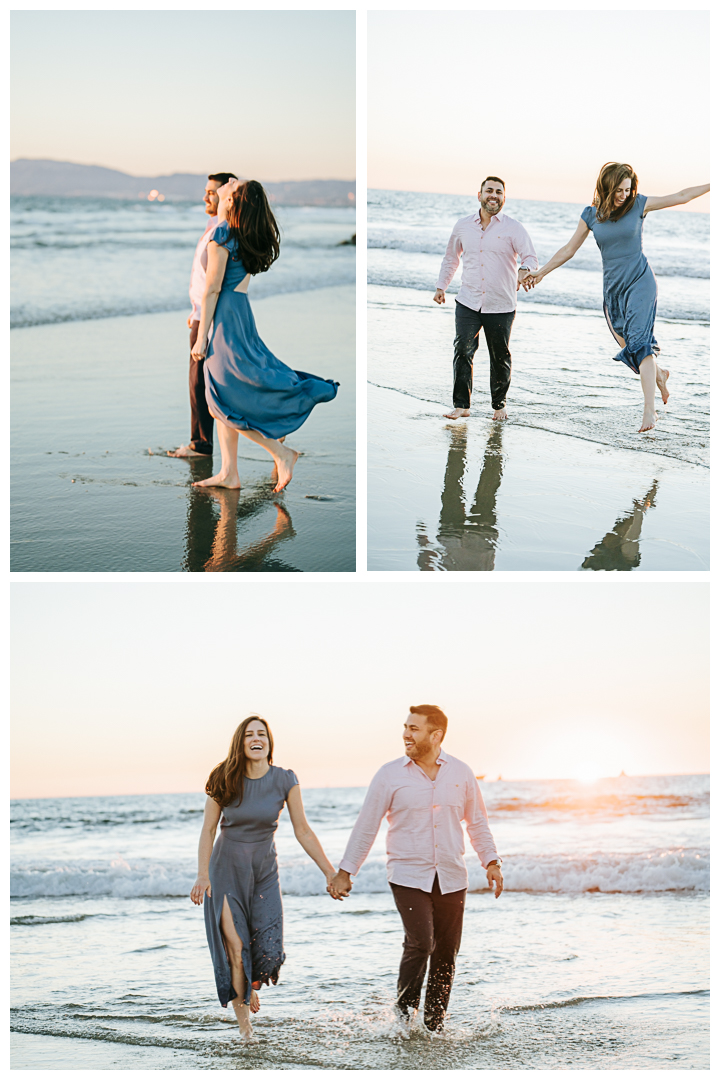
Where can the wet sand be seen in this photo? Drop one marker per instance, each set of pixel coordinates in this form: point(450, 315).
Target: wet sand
point(95, 407)
point(480, 496)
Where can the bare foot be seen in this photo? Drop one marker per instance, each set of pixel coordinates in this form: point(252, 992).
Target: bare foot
point(648, 421)
point(242, 1015)
point(223, 480)
point(661, 379)
point(456, 414)
point(500, 414)
point(186, 452)
point(285, 466)
point(254, 1002)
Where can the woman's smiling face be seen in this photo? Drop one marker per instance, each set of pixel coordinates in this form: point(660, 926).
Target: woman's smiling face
point(257, 743)
point(622, 191)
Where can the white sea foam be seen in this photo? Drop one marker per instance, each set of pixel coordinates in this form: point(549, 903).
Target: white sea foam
point(661, 871)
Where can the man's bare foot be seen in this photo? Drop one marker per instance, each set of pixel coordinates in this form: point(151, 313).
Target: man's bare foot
point(285, 466)
point(648, 421)
point(661, 379)
point(223, 480)
point(254, 1002)
point(456, 414)
point(186, 452)
point(500, 414)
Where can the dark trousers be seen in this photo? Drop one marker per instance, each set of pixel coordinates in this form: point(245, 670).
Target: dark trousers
point(201, 422)
point(497, 327)
point(433, 928)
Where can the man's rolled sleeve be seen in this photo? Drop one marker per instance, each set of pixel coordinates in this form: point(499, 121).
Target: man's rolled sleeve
point(451, 261)
point(476, 821)
point(375, 807)
point(523, 246)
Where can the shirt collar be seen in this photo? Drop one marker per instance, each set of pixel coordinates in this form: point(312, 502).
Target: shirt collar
point(442, 758)
point(500, 215)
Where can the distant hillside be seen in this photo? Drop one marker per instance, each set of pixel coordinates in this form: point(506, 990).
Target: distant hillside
point(41, 177)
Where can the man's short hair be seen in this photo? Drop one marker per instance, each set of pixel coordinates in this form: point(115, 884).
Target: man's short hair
point(495, 178)
point(436, 718)
point(222, 177)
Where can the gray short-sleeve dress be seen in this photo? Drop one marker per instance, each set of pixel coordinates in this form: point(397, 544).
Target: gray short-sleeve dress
point(629, 286)
point(243, 867)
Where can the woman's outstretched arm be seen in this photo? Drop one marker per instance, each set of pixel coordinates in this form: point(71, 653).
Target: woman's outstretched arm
point(207, 839)
point(562, 255)
point(661, 202)
point(304, 834)
point(217, 261)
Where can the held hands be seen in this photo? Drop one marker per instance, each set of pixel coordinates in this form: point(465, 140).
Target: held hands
point(199, 350)
point(495, 879)
point(439, 296)
point(201, 886)
point(339, 886)
point(531, 279)
point(523, 276)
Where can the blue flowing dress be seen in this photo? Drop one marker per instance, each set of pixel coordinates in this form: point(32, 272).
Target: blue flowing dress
point(246, 386)
point(629, 286)
point(243, 868)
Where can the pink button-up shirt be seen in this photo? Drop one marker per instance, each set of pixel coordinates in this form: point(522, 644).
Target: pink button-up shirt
point(199, 269)
point(489, 274)
point(425, 836)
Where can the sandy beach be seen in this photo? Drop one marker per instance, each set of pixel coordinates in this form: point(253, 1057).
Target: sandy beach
point(97, 404)
point(481, 496)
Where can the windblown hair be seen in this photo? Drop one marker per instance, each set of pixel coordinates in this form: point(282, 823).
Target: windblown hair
point(495, 178)
point(222, 177)
point(252, 225)
point(436, 718)
point(611, 177)
point(226, 782)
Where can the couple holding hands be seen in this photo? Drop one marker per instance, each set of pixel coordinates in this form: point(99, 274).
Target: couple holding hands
point(489, 243)
point(425, 795)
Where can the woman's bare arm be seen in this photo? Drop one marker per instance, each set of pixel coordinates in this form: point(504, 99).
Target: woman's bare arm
point(562, 255)
point(661, 202)
point(207, 839)
point(217, 261)
point(304, 834)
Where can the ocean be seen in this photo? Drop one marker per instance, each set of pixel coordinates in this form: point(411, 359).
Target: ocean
point(97, 258)
point(595, 957)
point(564, 377)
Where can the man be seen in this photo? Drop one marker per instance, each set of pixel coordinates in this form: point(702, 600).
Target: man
point(489, 243)
point(425, 795)
point(201, 422)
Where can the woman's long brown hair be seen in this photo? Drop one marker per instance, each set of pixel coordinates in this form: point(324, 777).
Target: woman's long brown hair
point(252, 225)
point(226, 782)
point(611, 177)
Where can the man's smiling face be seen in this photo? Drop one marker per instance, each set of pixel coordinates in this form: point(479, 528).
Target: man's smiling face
point(492, 197)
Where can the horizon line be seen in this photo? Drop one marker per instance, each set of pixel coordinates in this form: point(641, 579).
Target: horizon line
point(140, 176)
point(416, 191)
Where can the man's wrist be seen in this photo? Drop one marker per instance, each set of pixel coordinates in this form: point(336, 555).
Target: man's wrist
point(494, 862)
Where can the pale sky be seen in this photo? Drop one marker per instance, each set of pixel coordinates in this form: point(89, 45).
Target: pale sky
point(130, 688)
point(540, 98)
point(264, 93)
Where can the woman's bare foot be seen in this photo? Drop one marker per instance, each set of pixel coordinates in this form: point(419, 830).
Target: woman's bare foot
point(285, 465)
point(456, 414)
point(223, 480)
point(242, 1015)
point(648, 421)
point(254, 1002)
point(500, 414)
point(661, 379)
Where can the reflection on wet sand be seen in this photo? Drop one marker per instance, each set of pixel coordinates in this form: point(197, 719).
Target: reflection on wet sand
point(211, 543)
point(620, 548)
point(465, 540)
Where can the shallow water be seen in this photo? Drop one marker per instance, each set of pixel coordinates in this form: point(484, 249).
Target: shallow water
point(595, 957)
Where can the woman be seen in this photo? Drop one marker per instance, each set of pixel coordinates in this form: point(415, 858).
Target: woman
point(239, 875)
point(629, 288)
point(248, 389)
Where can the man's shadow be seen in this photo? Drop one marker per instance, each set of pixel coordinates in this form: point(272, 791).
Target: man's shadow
point(620, 548)
point(211, 541)
point(466, 540)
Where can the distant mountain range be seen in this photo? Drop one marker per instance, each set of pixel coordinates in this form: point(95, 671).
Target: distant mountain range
point(30, 176)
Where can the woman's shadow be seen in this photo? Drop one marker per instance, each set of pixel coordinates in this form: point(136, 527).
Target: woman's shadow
point(466, 540)
point(211, 540)
point(620, 548)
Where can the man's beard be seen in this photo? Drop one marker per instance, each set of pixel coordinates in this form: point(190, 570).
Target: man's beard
point(420, 749)
point(492, 210)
